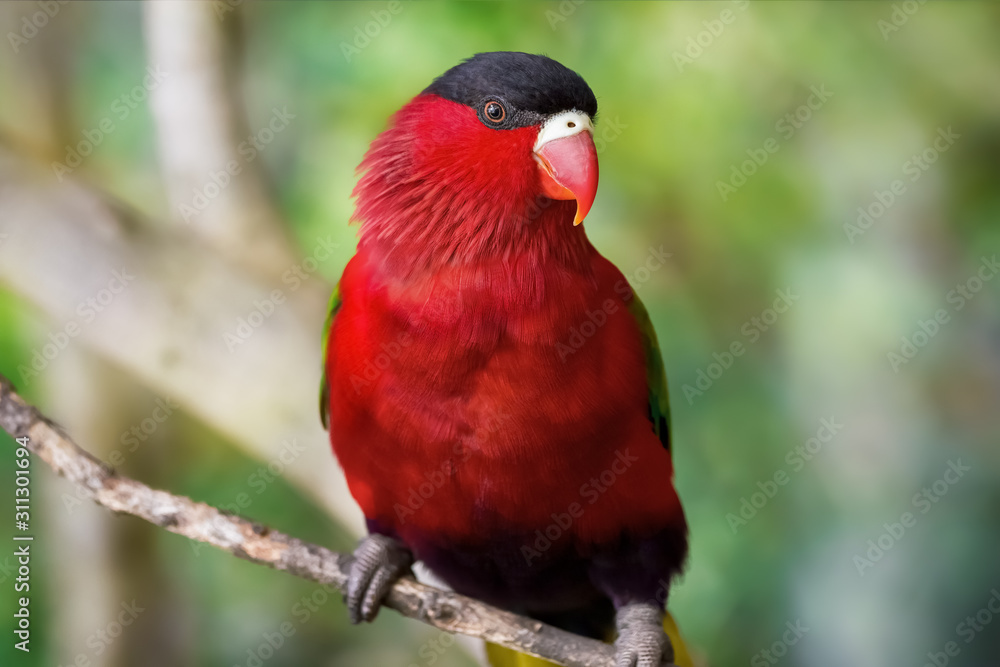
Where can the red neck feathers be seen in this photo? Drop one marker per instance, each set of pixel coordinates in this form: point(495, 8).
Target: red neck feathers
point(441, 189)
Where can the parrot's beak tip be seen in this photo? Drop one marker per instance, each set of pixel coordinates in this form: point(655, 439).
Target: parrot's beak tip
point(568, 170)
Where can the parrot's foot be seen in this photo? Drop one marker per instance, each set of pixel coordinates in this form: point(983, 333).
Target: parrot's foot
point(641, 640)
point(378, 562)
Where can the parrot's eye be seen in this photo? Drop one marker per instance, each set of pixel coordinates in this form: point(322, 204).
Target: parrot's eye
point(495, 111)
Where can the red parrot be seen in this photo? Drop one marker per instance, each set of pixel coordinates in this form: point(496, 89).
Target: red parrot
point(493, 387)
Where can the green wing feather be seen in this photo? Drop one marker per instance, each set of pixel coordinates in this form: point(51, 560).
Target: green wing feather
point(656, 376)
point(324, 390)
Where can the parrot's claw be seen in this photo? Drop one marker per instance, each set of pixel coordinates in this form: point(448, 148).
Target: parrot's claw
point(377, 564)
point(641, 640)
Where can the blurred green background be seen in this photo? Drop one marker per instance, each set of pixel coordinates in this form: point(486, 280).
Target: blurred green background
point(805, 111)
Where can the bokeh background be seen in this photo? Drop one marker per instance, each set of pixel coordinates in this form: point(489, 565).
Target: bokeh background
point(184, 387)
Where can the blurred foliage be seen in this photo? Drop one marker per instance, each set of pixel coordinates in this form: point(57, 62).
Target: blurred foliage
point(682, 127)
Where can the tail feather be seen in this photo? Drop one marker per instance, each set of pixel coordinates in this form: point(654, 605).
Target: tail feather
point(499, 656)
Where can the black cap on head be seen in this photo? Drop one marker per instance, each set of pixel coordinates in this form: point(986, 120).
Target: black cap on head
point(531, 87)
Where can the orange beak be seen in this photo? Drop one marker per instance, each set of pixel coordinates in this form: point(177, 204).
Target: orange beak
point(567, 168)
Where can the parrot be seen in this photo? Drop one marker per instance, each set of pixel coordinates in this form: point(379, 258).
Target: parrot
point(492, 386)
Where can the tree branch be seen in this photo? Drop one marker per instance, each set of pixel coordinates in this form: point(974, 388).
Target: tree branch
point(260, 544)
point(175, 328)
